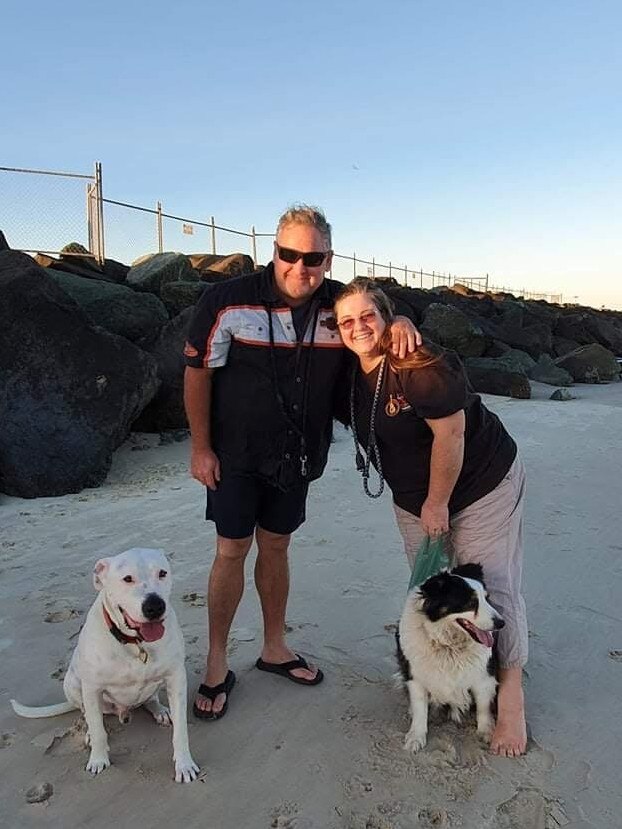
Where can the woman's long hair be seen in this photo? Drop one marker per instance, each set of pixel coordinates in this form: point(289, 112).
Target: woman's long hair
point(424, 356)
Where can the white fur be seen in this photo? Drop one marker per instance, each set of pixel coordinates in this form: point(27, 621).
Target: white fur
point(447, 665)
point(108, 677)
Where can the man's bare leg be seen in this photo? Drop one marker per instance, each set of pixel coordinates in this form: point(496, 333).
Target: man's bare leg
point(509, 738)
point(225, 588)
point(272, 581)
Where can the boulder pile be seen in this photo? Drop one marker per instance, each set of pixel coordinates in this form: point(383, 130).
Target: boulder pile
point(89, 352)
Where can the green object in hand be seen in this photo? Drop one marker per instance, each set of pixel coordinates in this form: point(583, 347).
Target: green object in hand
point(432, 557)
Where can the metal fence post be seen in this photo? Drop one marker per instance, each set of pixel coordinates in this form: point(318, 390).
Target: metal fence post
point(213, 224)
point(100, 254)
point(159, 224)
point(373, 267)
point(405, 276)
point(354, 263)
point(389, 269)
point(486, 283)
point(254, 244)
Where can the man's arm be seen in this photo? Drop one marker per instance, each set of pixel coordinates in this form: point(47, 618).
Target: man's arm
point(405, 338)
point(204, 464)
point(445, 466)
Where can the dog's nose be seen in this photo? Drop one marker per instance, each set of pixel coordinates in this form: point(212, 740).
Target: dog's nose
point(498, 623)
point(153, 607)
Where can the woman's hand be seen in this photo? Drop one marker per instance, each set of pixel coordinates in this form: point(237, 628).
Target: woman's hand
point(405, 338)
point(434, 518)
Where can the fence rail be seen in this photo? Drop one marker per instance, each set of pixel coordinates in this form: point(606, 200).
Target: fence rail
point(120, 230)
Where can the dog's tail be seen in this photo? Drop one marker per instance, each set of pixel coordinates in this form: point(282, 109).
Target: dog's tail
point(34, 713)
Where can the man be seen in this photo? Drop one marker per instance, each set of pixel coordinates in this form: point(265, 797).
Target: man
point(263, 362)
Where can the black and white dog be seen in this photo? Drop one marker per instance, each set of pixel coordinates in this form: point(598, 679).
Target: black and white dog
point(444, 644)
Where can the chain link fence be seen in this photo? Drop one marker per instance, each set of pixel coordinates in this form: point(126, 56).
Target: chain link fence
point(42, 211)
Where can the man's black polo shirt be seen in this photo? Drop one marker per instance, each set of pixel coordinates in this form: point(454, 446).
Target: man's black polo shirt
point(251, 431)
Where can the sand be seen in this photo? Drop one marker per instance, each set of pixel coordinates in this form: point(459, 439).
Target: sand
point(329, 757)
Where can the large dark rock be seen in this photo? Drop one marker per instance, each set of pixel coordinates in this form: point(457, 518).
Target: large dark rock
point(451, 328)
point(180, 295)
point(232, 264)
point(545, 371)
point(415, 298)
point(488, 376)
point(69, 390)
point(120, 310)
point(606, 331)
point(150, 273)
point(534, 339)
point(166, 410)
point(563, 346)
point(590, 364)
point(4, 245)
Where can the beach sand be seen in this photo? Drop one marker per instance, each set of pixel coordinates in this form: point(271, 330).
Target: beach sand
point(328, 757)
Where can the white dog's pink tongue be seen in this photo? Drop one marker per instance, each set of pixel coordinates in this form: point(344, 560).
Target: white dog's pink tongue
point(151, 631)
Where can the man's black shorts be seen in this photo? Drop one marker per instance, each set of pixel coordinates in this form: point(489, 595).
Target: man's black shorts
point(240, 503)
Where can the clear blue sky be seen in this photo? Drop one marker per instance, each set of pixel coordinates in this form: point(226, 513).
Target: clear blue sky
point(459, 136)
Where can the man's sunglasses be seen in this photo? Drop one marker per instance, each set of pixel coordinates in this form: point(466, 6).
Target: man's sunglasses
point(310, 260)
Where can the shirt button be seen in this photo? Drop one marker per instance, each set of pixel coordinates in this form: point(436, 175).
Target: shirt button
point(295, 407)
point(287, 456)
point(290, 431)
point(299, 379)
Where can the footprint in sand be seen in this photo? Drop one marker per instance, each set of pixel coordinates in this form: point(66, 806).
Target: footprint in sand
point(285, 816)
point(7, 740)
point(62, 615)
point(194, 599)
point(529, 809)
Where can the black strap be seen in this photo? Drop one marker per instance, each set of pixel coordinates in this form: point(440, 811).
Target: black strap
point(313, 313)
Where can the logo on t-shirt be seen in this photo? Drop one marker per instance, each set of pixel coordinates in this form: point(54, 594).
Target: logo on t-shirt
point(395, 404)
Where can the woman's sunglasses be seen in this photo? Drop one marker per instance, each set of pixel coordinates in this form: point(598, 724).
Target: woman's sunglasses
point(310, 260)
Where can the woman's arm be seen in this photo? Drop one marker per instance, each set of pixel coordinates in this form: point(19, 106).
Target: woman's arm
point(445, 465)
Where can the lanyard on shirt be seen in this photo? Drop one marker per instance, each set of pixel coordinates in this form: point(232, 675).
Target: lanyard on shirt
point(314, 312)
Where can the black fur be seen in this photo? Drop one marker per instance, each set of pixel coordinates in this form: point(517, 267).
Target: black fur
point(403, 663)
point(445, 594)
point(470, 571)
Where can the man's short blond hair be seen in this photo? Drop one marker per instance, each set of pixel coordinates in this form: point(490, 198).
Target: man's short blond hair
point(306, 214)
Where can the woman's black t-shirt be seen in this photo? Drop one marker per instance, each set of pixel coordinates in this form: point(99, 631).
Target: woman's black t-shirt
point(407, 398)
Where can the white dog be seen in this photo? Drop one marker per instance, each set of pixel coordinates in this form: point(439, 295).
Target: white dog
point(130, 645)
point(444, 647)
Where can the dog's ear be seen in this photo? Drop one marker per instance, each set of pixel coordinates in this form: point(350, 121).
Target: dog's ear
point(434, 592)
point(99, 572)
point(470, 571)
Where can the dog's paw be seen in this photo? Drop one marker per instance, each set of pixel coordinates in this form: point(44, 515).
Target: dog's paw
point(415, 740)
point(186, 770)
point(163, 716)
point(484, 731)
point(97, 763)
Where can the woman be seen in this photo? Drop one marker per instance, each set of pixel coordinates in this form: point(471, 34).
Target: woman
point(452, 468)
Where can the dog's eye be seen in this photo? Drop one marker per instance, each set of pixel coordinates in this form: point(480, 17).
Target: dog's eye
point(128, 579)
point(162, 574)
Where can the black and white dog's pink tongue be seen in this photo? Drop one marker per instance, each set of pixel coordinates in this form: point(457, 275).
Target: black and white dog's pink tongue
point(151, 631)
point(483, 636)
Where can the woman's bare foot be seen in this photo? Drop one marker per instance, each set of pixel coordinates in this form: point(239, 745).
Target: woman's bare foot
point(509, 738)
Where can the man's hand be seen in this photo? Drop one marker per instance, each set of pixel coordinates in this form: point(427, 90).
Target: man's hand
point(434, 518)
point(405, 338)
point(205, 467)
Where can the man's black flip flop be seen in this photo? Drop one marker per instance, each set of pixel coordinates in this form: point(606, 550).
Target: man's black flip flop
point(211, 692)
point(285, 668)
